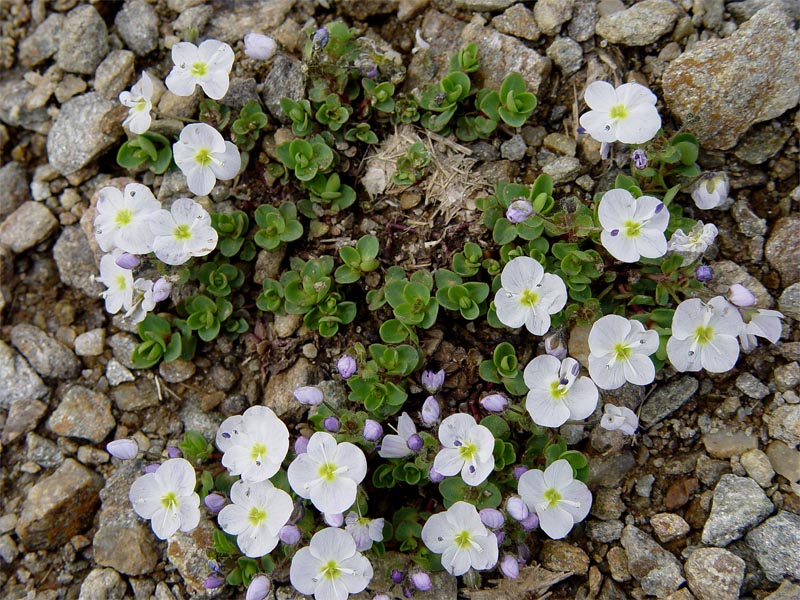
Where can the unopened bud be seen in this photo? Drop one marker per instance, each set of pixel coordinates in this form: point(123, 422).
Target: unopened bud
point(492, 518)
point(259, 46)
point(519, 210)
point(126, 260)
point(422, 581)
point(516, 508)
point(531, 522)
point(373, 431)
point(347, 366)
point(397, 576)
point(161, 289)
point(554, 346)
point(124, 449)
point(289, 535)
point(309, 395)
point(212, 582)
point(494, 403)
point(333, 519)
point(509, 567)
point(331, 424)
point(301, 445)
point(415, 443)
point(214, 502)
point(639, 157)
point(258, 589)
point(432, 381)
point(703, 273)
point(430, 411)
point(741, 296)
point(435, 476)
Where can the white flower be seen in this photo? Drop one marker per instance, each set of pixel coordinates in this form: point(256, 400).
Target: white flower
point(711, 191)
point(258, 512)
point(396, 446)
point(692, 246)
point(207, 66)
point(556, 497)
point(119, 282)
point(204, 156)
point(760, 323)
point(328, 473)
point(167, 498)
point(138, 100)
point(620, 351)
point(254, 443)
point(619, 418)
point(632, 227)
point(461, 538)
point(143, 301)
point(468, 447)
point(123, 219)
point(330, 568)
point(627, 114)
point(528, 295)
point(556, 393)
point(182, 232)
point(364, 530)
point(704, 336)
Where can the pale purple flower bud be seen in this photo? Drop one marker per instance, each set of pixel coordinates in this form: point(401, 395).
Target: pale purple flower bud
point(554, 346)
point(126, 260)
point(397, 576)
point(301, 445)
point(407, 592)
point(492, 518)
point(605, 150)
point(639, 157)
point(432, 381)
point(173, 452)
point(741, 296)
point(259, 46)
point(703, 273)
point(415, 443)
point(372, 431)
point(289, 535)
point(523, 552)
point(435, 476)
point(430, 411)
point(321, 38)
point(519, 210)
point(331, 424)
point(124, 449)
point(333, 519)
point(516, 508)
point(214, 502)
point(369, 69)
point(518, 471)
point(152, 468)
point(161, 289)
point(258, 589)
point(509, 567)
point(212, 582)
point(422, 581)
point(381, 597)
point(530, 523)
point(347, 366)
point(494, 403)
point(308, 394)
point(500, 536)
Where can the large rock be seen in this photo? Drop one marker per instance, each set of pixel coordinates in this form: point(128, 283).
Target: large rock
point(30, 224)
point(783, 251)
point(714, 574)
point(720, 88)
point(666, 399)
point(188, 553)
point(657, 571)
point(83, 413)
point(739, 504)
point(59, 506)
point(776, 544)
point(87, 126)
point(76, 262)
point(641, 24)
point(17, 380)
point(243, 16)
point(278, 391)
point(137, 25)
point(83, 41)
point(46, 354)
point(123, 540)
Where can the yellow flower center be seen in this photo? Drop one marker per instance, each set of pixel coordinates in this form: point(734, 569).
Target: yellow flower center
point(632, 229)
point(199, 69)
point(618, 111)
point(122, 283)
point(256, 516)
point(182, 233)
point(468, 451)
point(703, 334)
point(557, 390)
point(553, 497)
point(123, 217)
point(258, 451)
point(621, 351)
point(140, 105)
point(529, 298)
point(327, 471)
point(203, 157)
point(463, 540)
point(169, 501)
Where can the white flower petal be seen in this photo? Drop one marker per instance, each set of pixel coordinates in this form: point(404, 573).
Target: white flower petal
point(394, 446)
point(303, 571)
point(605, 376)
point(180, 82)
point(437, 532)
point(476, 472)
point(547, 411)
point(455, 428)
point(689, 314)
point(405, 426)
point(230, 163)
point(599, 125)
point(621, 247)
point(600, 95)
point(509, 310)
point(558, 475)
point(639, 369)
point(721, 355)
point(606, 332)
point(555, 522)
point(448, 462)
point(200, 180)
point(521, 273)
point(681, 356)
point(640, 126)
point(582, 399)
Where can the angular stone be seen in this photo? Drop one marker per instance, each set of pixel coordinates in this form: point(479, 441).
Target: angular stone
point(487, 5)
point(102, 583)
point(784, 424)
point(519, 22)
point(59, 506)
point(240, 17)
point(776, 544)
point(43, 42)
point(758, 468)
point(83, 41)
point(123, 540)
point(187, 552)
point(30, 224)
point(278, 391)
point(761, 61)
point(785, 460)
point(789, 302)
point(641, 24)
point(666, 399)
point(83, 413)
point(739, 504)
point(782, 250)
point(657, 571)
point(786, 591)
point(46, 354)
point(87, 126)
point(668, 526)
point(137, 25)
point(42, 451)
point(550, 15)
point(609, 471)
point(714, 574)
point(14, 94)
point(563, 556)
point(22, 418)
point(115, 73)
point(726, 443)
point(751, 386)
point(14, 183)
point(17, 380)
point(90, 343)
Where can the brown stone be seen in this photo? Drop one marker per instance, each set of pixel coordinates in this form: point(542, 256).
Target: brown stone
point(680, 492)
point(563, 556)
point(783, 251)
